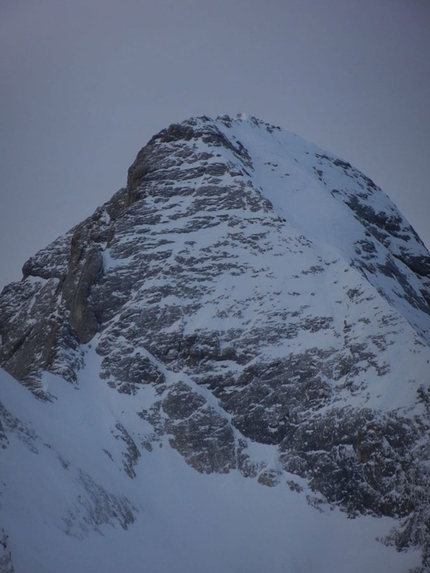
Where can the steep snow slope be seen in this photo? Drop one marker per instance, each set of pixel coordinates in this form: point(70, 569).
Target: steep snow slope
point(234, 349)
point(69, 504)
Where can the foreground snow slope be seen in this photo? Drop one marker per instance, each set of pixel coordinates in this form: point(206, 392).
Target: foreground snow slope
point(66, 500)
point(225, 368)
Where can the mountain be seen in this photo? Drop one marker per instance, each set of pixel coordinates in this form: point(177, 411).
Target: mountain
point(225, 368)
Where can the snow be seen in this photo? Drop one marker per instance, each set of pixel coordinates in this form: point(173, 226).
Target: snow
point(284, 171)
point(186, 522)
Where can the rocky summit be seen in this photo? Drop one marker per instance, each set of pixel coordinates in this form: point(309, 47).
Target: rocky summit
point(225, 368)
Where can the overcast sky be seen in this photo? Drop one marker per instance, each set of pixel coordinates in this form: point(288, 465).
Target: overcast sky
point(86, 83)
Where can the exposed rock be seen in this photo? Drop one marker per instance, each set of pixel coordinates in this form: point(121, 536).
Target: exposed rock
point(6, 565)
point(97, 507)
point(198, 432)
point(132, 453)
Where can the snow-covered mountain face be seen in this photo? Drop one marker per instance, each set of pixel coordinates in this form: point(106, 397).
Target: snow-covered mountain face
point(224, 362)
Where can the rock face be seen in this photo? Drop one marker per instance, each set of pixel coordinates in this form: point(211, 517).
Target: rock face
point(262, 291)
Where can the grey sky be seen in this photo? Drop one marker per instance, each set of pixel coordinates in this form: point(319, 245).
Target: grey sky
point(85, 83)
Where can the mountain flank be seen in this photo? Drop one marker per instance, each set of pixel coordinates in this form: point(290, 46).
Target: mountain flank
point(247, 321)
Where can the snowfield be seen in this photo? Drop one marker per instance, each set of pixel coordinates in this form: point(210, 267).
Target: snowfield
point(184, 521)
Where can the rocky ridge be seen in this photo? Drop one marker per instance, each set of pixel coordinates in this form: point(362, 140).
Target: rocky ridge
point(245, 288)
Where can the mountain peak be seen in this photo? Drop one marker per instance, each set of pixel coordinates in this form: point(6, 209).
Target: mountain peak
point(252, 303)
